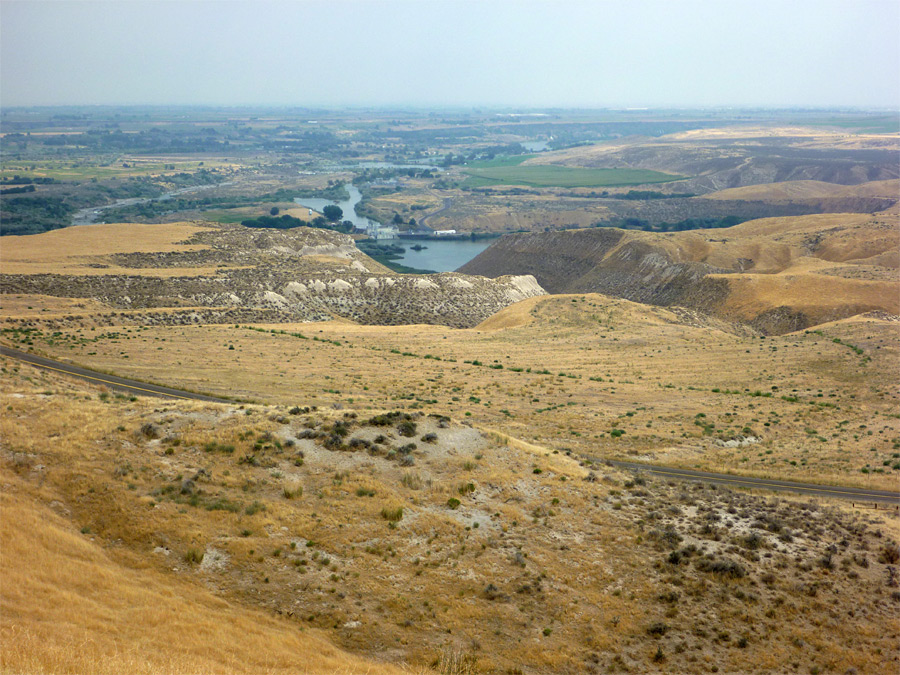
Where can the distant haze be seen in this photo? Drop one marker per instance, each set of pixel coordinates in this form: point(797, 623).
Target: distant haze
point(530, 54)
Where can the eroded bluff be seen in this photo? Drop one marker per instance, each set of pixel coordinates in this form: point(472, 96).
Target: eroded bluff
point(777, 274)
point(280, 276)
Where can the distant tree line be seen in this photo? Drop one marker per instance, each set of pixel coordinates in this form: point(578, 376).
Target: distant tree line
point(680, 226)
point(32, 214)
point(652, 194)
point(18, 190)
point(633, 195)
point(287, 222)
point(27, 180)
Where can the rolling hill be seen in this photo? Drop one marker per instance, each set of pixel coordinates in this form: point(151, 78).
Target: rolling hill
point(776, 274)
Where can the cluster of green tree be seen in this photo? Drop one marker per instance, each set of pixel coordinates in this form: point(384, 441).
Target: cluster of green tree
point(286, 222)
point(201, 177)
point(92, 194)
point(155, 209)
point(149, 141)
point(26, 180)
point(652, 194)
point(373, 247)
point(514, 191)
point(307, 142)
point(388, 254)
point(18, 190)
point(635, 195)
point(333, 213)
point(484, 154)
point(464, 133)
point(33, 214)
point(680, 226)
point(382, 174)
point(336, 192)
point(398, 220)
point(146, 210)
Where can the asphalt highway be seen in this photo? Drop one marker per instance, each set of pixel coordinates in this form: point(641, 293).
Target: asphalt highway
point(812, 489)
point(114, 382)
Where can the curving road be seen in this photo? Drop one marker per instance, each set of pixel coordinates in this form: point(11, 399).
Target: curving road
point(447, 202)
point(145, 389)
point(114, 382)
point(812, 489)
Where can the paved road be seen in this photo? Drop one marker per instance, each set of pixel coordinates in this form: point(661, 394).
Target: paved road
point(447, 202)
point(852, 494)
point(112, 381)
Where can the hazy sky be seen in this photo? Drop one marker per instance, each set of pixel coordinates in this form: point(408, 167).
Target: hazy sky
point(458, 52)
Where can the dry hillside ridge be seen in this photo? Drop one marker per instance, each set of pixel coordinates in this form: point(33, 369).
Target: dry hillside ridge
point(412, 536)
point(810, 189)
point(776, 274)
point(669, 385)
point(204, 273)
point(736, 156)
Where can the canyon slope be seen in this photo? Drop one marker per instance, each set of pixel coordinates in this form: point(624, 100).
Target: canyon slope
point(775, 274)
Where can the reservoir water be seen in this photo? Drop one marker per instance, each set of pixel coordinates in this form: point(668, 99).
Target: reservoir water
point(440, 256)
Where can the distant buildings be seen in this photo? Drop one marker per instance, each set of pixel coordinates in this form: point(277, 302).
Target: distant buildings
point(378, 232)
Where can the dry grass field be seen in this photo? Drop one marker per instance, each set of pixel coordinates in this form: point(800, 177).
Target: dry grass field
point(134, 531)
point(738, 156)
point(775, 274)
point(809, 189)
point(85, 250)
point(566, 372)
point(73, 603)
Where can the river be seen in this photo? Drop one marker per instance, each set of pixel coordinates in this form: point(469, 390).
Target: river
point(438, 255)
point(348, 206)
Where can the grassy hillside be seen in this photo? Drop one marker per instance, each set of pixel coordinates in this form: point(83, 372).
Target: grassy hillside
point(776, 274)
point(420, 499)
point(810, 189)
point(76, 601)
point(183, 537)
point(566, 376)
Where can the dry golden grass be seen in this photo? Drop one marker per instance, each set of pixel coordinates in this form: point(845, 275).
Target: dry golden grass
point(714, 139)
point(46, 306)
point(69, 606)
point(530, 572)
point(72, 250)
point(612, 364)
point(513, 316)
point(813, 294)
point(809, 189)
point(757, 131)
